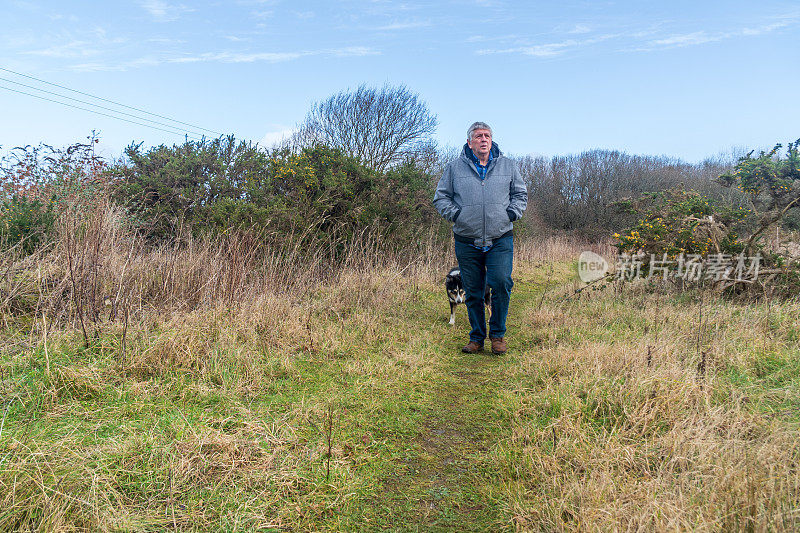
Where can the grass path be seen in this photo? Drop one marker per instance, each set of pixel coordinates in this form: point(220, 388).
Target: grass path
point(442, 485)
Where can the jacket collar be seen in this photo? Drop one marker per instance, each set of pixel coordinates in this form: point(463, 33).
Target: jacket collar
point(494, 153)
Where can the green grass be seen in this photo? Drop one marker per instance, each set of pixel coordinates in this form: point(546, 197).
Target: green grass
point(217, 420)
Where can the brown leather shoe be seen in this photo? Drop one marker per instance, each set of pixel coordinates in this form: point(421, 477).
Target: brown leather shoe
point(499, 345)
point(472, 347)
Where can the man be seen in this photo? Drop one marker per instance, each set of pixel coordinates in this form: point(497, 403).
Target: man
point(482, 194)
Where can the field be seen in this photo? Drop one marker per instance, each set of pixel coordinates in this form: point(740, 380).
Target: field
point(349, 407)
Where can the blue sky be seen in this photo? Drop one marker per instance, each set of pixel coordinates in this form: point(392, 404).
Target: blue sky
point(682, 78)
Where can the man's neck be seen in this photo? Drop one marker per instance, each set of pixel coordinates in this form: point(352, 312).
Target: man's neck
point(483, 160)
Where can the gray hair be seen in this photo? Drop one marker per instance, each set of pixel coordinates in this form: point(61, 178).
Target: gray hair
point(478, 126)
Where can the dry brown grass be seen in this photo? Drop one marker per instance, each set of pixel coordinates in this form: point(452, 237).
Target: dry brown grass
point(632, 422)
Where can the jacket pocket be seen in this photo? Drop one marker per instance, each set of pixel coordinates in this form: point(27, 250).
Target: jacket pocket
point(497, 220)
point(470, 221)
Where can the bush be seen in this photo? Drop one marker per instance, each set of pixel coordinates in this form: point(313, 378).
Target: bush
point(166, 187)
point(682, 222)
point(212, 187)
point(25, 223)
point(38, 185)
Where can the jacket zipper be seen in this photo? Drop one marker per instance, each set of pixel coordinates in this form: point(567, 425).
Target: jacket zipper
point(483, 206)
point(483, 193)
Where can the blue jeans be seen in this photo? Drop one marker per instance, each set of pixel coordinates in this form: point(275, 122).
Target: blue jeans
point(479, 269)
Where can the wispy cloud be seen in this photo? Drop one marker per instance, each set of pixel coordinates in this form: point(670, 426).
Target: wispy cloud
point(238, 57)
point(71, 50)
point(352, 51)
point(580, 28)
point(405, 25)
point(689, 39)
point(223, 57)
point(767, 28)
point(164, 12)
point(640, 41)
point(539, 50)
point(679, 40)
point(549, 49)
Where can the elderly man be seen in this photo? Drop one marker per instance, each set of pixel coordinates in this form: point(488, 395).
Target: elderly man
point(482, 194)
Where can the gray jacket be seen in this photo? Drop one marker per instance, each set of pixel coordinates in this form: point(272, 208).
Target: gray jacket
point(481, 211)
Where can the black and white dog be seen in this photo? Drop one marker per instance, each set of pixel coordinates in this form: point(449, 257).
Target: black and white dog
point(456, 294)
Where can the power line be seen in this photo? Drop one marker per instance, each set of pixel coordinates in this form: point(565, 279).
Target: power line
point(194, 137)
point(109, 101)
point(95, 105)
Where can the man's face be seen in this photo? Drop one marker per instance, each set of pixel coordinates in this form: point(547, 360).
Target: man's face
point(481, 143)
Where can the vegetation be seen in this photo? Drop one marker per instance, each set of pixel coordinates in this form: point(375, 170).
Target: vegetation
point(212, 336)
point(678, 223)
point(379, 127)
point(346, 405)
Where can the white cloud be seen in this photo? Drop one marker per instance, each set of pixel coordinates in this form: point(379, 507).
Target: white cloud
point(405, 25)
point(639, 41)
point(703, 37)
point(276, 136)
point(580, 28)
point(238, 57)
point(766, 28)
point(222, 57)
point(71, 50)
point(352, 51)
point(164, 12)
point(688, 39)
point(549, 49)
point(540, 50)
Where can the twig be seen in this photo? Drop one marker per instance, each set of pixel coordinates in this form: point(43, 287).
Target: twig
point(576, 291)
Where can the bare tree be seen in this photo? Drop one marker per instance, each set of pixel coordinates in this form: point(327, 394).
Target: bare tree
point(378, 126)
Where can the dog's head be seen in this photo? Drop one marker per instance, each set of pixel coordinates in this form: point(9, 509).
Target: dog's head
point(455, 290)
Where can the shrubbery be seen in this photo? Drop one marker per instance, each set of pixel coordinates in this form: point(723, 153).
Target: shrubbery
point(678, 223)
point(25, 222)
point(211, 187)
point(38, 185)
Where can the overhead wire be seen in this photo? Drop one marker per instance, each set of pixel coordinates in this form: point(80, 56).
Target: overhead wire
point(109, 101)
point(194, 137)
point(97, 106)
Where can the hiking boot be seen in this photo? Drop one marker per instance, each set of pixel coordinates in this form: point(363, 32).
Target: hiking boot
point(499, 345)
point(472, 347)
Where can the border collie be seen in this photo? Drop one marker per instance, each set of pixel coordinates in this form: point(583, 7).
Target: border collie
point(456, 294)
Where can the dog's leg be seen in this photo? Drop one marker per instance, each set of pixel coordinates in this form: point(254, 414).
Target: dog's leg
point(452, 314)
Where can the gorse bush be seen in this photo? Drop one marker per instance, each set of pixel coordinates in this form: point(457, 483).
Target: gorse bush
point(678, 222)
point(25, 222)
point(214, 186)
point(165, 187)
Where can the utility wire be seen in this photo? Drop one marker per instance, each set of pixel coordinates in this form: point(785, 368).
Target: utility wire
point(104, 114)
point(95, 105)
point(109, 101)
